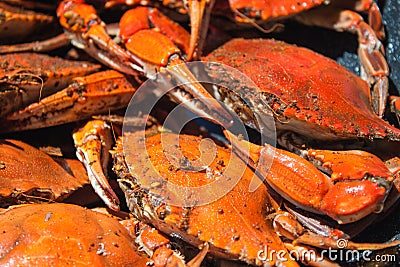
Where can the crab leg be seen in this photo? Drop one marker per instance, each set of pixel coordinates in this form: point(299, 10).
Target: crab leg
point(374, 14)
point(310, 238)
point(88, 32)
point(374, 68)
point(50, 44)
point(85, 96)
point(149, 50)
point(93, 142)
point(38, 46)
point(27, 77)
point(157, 246)
point(199, 12)
point(374, 18)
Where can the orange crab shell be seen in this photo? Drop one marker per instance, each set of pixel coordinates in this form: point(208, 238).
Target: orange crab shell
point(61, 234)
point(29, 172)
point(264, 10)
point(28, 77)
point(18, 23)
point(234, 225)
point(309, 93)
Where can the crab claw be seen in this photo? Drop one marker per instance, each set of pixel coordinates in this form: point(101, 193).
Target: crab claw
point(97, 93)
point(92, 142)
point(88, 32)
point(168, 61)
point(375, 20)
point(362, 182)
point(149, 50)
point(358, 184)
point(156, 50)
point(210, 108)
point(199, 12)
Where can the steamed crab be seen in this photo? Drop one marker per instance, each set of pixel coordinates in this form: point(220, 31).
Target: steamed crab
point(292, 83)
point(63, 234)
point(374, 68)
point(284, 110)
point(150, 164)
point(149, 47)
point(30, 175)
point(88, 32)
point(302, 88)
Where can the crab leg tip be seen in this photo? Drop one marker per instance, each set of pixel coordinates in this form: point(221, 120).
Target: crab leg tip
point(199, 18)
point(199, 93)
point(92, 143)
point(198, 259)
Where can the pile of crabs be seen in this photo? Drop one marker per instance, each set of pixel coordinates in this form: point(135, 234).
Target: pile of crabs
point(91, 176)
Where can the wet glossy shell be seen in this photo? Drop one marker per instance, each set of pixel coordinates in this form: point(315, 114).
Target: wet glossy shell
point(97, 93)
point(30, 175)
point(27, 77)
point(63, 234)
point(309, 93)
point(275, 9)
point(235, 225)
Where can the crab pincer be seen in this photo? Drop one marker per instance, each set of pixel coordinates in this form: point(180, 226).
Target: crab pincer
point(151, 43)
point(92, 142)
point(357, 185)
